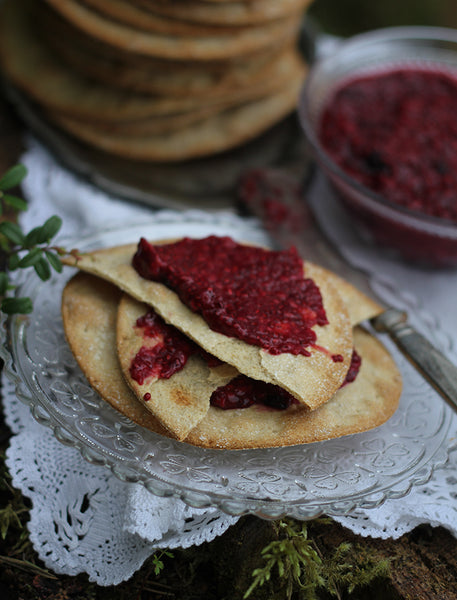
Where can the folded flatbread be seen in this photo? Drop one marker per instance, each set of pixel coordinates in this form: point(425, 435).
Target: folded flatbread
point(182, 401)
point(311, 379)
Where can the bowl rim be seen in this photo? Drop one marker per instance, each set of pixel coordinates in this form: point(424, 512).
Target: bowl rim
point(387, 34)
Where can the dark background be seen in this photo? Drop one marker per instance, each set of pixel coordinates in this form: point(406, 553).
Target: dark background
point(347, 17)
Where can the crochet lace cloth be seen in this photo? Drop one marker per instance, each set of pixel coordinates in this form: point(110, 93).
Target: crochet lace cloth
point(83, 519)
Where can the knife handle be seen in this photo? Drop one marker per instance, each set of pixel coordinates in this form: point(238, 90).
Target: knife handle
point(434, 366)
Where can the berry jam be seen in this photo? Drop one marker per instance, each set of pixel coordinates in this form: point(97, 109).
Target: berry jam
point(165, 358)
point(256, 295)
point(354, 368)
point(172, 351)
point(243, 391)
point(396, 133)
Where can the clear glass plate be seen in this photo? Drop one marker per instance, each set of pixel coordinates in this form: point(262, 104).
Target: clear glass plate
point(332, 477)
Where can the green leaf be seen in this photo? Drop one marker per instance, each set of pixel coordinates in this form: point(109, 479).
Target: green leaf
point(51, 227)
point(13, 232)
point(15, 202)
point(4, 282)
point(42, 234)
point(33, 237)
point(13, 261)
point(12, 306)
point(54, 261)
point(30, 259)
point(42, 269)
point(13, 177)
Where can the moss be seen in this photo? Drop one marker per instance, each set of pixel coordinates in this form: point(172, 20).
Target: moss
point(309, 572)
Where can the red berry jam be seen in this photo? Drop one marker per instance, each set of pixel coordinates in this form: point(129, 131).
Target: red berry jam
point(354, 368)
point(172, 351)
point(256, 295)
point(396, 133)
point(243, 391)
point(166, 357)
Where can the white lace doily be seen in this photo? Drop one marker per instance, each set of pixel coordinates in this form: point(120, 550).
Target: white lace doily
point(83, 518)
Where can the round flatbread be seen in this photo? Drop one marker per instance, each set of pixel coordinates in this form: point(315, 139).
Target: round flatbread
point(240, 42)
point(225, 13)
point(136, 16)
point(32, 67)
point(367, 402)
point(230, 81)
point(89, 311)
point(89, 307)
point(226, 130)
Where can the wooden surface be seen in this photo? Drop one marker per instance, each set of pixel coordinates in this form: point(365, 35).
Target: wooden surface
point(423, 564)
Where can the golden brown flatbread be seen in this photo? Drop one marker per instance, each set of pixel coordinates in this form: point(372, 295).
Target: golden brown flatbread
point(89, 309)
point(217, 133)
point(240, 42)
point(137, 17)
point(32, 67)
point(367, 402)
point(311, 379)
point(225, 13)
point(230, 82)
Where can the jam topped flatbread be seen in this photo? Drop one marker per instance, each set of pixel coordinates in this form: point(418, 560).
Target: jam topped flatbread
point(311, 379)
point(90, 308)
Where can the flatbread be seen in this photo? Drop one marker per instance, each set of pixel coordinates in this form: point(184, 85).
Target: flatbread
point(311, 379)
point(240, 42)
point(154, 126)
point(90, 307)
point(31, 66)
point(231, 81)
point(227, 13)
point(89, 311)
point(218, 133)
point(53, 25)
point(154, 21)
point(182, 401)
point(367, 402)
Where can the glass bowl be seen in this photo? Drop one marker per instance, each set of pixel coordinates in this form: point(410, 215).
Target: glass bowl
point(412, 235)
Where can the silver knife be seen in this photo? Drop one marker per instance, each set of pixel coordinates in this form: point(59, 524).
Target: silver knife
point(276, 197)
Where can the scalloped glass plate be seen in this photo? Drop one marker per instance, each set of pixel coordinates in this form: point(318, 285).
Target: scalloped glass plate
point(332, 477)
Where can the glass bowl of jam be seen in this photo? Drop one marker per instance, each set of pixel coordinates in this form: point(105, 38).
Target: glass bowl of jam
point(380, 115)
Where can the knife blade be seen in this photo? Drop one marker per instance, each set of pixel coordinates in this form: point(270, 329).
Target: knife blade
point(276, 197)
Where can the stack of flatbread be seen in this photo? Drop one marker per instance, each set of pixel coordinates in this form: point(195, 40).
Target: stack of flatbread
point(156, 80)
point(102, 303)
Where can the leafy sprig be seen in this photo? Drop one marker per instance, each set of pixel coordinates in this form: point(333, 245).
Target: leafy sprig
point(24, 250)
point(298, 560)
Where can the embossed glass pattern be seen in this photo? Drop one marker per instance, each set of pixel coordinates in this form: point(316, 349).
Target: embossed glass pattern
point(331, 477)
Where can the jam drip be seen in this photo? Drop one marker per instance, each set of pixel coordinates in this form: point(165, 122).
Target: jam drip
point(256, 295)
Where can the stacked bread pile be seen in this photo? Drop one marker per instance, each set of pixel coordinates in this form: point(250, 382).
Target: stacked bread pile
point(156, 80)
point(101, 306)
